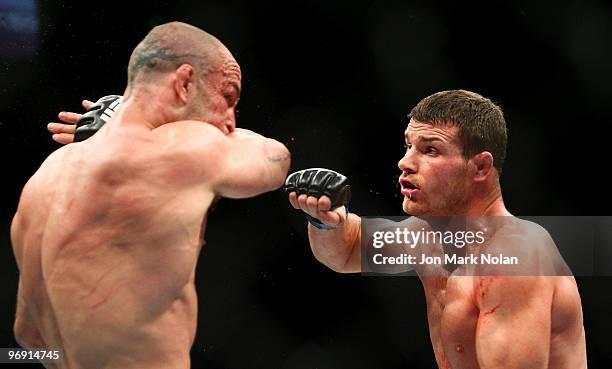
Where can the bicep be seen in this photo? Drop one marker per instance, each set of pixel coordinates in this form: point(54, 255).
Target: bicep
point(513, 329)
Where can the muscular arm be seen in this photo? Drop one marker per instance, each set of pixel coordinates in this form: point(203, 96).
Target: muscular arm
point(241, 164)
point(513, 330)
point(340, 248)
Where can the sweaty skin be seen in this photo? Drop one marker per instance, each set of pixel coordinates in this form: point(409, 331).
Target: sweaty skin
point(107, 236)
point(486, 318)
point(466, 334)
point(108, 231)
point(480, 319)
point(495, 320)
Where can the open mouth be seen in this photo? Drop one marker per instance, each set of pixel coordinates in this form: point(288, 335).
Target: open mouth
point(408, 189)
point(407, 185)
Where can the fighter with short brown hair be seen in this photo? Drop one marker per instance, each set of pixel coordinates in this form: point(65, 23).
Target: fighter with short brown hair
point(455, 149)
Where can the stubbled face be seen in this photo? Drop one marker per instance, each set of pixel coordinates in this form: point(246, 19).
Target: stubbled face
point(434, 178)
point(220, 92)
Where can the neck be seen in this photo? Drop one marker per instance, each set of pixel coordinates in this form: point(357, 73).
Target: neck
point(491, 204)
point(144, 107)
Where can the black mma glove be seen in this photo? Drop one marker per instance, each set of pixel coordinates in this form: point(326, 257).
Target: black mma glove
point(318, 182)
point(96, 116)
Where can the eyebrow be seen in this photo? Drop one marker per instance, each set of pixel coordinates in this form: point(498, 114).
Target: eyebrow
point(431, 139)
point(426, 138)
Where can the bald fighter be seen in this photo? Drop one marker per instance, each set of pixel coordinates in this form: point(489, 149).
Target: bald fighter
point(456, 146)
point(108, 230)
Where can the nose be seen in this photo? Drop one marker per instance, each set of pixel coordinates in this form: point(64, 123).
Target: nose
point(408, 163)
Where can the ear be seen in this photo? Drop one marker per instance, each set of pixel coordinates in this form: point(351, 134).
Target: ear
point(185, 82)
point(483, 165)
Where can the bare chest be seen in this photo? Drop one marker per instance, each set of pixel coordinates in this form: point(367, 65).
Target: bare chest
point(452, 317)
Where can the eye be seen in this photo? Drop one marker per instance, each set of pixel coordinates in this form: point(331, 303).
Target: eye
point(231, 100)
point(431, 150)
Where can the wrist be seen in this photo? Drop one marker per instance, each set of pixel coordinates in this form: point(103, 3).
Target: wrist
point(316, 223)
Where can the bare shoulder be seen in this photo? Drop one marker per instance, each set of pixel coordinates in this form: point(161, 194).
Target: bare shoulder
point(193, 145)
point(525, 237)
point(190, 133)
point(528, 244)
point(45, 177)
point(521, 229)
point(34, 196)
point(540, 270)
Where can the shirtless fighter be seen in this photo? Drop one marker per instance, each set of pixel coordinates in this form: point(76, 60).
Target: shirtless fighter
point(108, 230)
point(456, 145)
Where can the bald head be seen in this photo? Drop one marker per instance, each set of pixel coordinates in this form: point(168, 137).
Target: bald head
point(170, 45)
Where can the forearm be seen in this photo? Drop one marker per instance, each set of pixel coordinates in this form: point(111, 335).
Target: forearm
point(338, 249)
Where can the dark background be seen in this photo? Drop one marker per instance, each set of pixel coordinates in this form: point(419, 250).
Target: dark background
point(333, 80)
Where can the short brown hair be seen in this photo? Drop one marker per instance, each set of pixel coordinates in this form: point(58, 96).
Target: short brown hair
point(481, 123)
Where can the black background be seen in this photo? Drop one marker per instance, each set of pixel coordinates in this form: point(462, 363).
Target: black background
point(334, 81)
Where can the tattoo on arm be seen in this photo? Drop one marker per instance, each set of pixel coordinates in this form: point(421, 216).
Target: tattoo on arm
point(278, 158)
